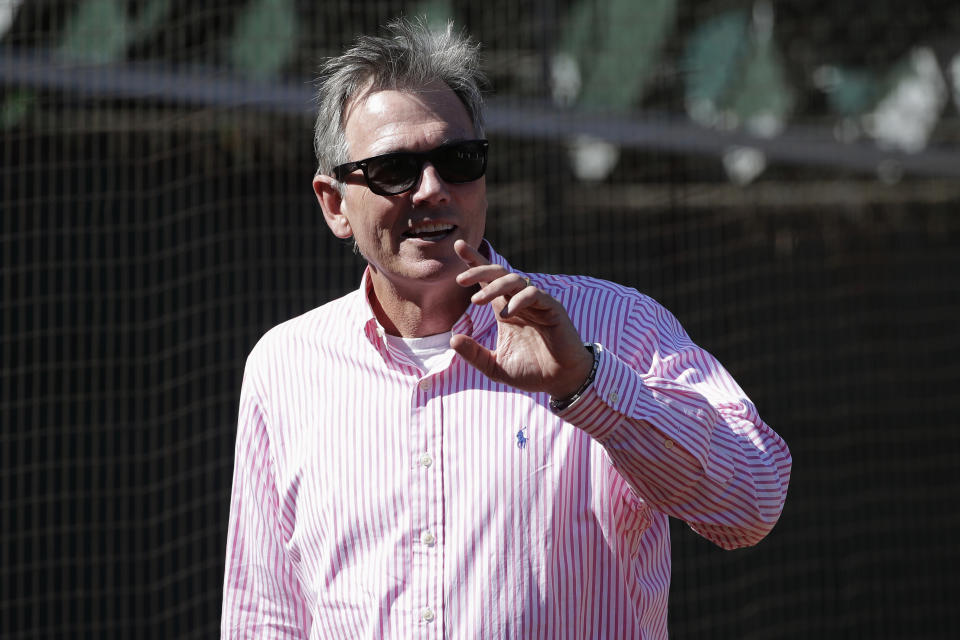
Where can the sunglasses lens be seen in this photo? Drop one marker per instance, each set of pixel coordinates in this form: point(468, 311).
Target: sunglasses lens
point(395, 173)
point(392, 174)
point(463, 162)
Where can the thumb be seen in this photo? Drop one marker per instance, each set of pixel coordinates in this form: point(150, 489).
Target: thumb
point(476, 355)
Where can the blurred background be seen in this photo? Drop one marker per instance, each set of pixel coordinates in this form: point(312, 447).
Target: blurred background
point(785, 177)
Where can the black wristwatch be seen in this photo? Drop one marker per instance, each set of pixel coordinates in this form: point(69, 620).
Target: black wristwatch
point(559, 404)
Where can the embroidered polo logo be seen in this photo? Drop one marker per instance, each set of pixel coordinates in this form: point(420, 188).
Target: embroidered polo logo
point(521, 438)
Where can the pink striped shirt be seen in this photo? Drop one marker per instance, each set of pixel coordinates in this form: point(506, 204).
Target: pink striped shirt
point(375, 500)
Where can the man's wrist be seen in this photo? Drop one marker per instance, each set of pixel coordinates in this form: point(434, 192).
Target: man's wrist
point(559, 404)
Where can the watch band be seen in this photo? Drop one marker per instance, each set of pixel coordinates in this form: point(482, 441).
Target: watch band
point(557, 405)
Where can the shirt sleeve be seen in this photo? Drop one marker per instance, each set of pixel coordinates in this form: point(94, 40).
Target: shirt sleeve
point(682, 433)
point(261, 593)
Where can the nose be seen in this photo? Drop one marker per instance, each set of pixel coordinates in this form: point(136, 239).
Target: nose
point(432, 189)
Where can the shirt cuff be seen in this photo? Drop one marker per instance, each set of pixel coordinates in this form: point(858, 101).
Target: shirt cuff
point(676, 416)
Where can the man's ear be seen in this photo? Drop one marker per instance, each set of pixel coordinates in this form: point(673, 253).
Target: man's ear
point(328, 195)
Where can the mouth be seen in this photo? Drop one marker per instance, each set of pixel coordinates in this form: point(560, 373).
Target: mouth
point(429, 231)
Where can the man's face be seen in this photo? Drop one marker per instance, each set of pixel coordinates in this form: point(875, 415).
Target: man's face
point(407, 239)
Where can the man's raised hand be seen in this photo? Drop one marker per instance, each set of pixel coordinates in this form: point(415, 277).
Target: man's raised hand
point(538, 348)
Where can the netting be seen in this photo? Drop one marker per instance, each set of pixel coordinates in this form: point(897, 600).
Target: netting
point(157, 218)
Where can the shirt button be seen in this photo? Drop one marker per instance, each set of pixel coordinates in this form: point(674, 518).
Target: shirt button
point(426, 460)
point(427, 615)
point(427, 538)
point(426, 383)
point(668, 443)
point(613, 397)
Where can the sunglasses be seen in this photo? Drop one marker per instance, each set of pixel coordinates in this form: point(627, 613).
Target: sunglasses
point(394, 173)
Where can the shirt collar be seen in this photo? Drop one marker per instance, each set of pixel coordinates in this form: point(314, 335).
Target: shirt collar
point(474, 322)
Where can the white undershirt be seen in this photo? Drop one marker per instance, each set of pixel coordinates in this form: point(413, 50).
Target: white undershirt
point(426, 352)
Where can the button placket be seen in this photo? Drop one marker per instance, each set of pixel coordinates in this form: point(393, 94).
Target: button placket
point(426, 514)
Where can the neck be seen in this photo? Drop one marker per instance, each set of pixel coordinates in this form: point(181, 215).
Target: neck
point(427, 310)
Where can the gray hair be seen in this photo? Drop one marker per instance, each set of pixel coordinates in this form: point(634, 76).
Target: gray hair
point(413, 58)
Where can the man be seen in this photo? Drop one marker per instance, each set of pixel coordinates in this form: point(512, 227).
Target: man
point(459, 449)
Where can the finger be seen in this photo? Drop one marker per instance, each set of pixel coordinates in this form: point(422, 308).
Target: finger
point(470, 256)
point(527, 298)
point(506, 286)
point(481, 274)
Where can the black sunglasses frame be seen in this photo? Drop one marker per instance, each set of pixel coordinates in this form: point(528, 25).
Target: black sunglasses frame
point(422, 157)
